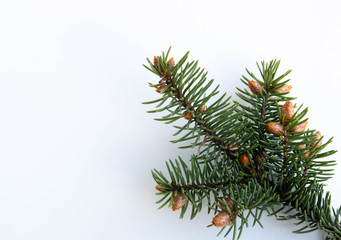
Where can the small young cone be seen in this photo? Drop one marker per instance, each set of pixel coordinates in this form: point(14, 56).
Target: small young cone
point(304, 147)
point(275, 128)
point(222, 219)
point(188, 115)
point(202, 108)
point(156, 61)
point(287, 111)
point(244, 160)
point(171, 61)
point(300, 128)
point(157, 187)
point(228, 201)
point(159, 89)
point(318, 136)
point(255, 87)
point(178, 202)
point(286, 88)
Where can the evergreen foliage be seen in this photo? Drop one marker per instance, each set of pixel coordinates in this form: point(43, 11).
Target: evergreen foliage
point(250, 157)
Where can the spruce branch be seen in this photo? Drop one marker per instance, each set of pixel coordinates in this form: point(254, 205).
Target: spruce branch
point(252, 156)
point(188, 93)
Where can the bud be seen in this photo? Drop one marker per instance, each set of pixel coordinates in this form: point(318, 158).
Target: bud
point(157, 187)
point(178, 202)
point(318, 136)
point(228, 201)
point(284, 89)
point(255, 87)
point(300, 128)
point(304, 147)
point(287, 111)
point(159, 89)
point(202, 108)
point(222, 219)
point(171, 61)
point(244, 160)
point(188, 115)
point(156, 61)
point(275, 128)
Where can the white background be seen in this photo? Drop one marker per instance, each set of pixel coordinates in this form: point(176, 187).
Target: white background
point(76, 145)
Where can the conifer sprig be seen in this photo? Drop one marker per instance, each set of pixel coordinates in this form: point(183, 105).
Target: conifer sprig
point(185, 92)
point(251, 156)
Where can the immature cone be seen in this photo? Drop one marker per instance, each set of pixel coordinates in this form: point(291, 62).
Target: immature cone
point(202, 108)
point(318, 136)
point(222, 219)
point(304, 147)
point(244, 160)
point(286, 88)
point(178, 202)
point(300, 128)
point(228, 201)
point(188, 115)
point(157, 187)
point(287, 111)
point(159, 89)
point(255, 87)
point(275, 128)
point(171, 61)
point(156, 61)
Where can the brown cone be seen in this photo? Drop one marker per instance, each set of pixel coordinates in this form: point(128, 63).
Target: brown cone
point(244, 160)
point(287, 111)
point(275, 128)
point(286, 88)
point(318, 136)
point(222, 219)
point(178, 202)
point(228, 201)
point(255, 87)
point(202, 108)
point(300, 128)
point(159, 89)
point(188, 115)
point(156, 61)
point(304, 147)
point(171, 61)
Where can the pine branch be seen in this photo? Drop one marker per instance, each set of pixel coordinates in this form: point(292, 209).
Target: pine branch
point(290, 187)
point(187, 90)
point(314, 209)
point(250, 158)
